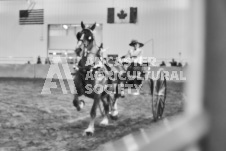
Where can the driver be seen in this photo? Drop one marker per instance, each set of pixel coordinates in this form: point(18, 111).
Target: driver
point(135, 54)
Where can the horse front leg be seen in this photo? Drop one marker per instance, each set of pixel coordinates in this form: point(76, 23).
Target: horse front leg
point(79, 104)
point(106, 103)
point(90, 130)
point(114, 109)
point(79, 86)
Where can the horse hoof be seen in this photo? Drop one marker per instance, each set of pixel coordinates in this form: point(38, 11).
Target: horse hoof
point(155, 119)
point(82, 104)
point(89, 134)
point(104, 122)
point(122, 96)
point(114, 117)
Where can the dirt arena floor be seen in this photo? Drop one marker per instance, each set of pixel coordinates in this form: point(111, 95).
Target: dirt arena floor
point(31, 121)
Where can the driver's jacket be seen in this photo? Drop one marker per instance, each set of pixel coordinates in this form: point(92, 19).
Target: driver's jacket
point(135, 55)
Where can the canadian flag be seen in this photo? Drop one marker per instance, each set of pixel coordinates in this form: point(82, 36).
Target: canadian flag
point(122, 15)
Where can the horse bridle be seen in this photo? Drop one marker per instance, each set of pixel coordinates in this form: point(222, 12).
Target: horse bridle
point(85, 50)
point(90, 40)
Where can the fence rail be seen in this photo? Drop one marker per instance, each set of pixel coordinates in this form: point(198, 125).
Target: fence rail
point(71, 60)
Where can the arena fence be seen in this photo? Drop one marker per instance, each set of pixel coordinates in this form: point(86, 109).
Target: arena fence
point(72, 60)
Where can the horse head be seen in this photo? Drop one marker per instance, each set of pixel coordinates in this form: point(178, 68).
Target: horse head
point(85, 37)
point(86, 46)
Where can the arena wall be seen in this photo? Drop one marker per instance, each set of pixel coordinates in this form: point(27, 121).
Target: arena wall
point(153, 16)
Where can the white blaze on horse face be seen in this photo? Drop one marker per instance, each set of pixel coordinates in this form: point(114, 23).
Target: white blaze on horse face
point(85, 42)
point(80, 41)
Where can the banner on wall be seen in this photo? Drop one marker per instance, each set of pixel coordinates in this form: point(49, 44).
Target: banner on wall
point(122, 15)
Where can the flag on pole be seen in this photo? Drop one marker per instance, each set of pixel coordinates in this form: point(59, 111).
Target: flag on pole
point(122, 15)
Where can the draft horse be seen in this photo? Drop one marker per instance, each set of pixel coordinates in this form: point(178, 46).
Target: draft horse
point(90, 78)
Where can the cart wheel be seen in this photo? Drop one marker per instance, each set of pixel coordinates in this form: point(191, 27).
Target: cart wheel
point(161, 106)
point(155, 109)
point(153, 100)
point(158, 89)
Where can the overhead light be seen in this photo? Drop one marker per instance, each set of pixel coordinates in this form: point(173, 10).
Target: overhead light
point(65, 27)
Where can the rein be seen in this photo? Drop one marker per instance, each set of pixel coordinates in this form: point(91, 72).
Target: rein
point(87, 52)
